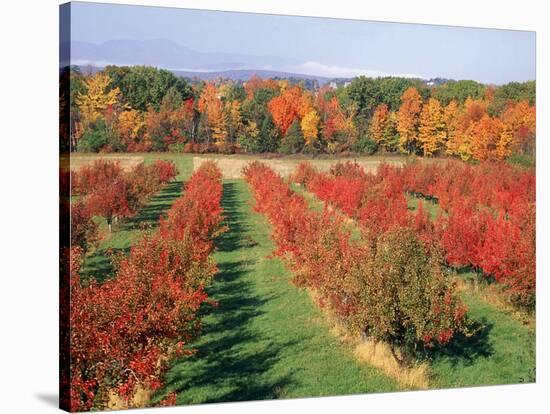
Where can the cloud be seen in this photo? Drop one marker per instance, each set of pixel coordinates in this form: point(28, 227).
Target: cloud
point(96, 63)
point(331, 71)
point(311, 68)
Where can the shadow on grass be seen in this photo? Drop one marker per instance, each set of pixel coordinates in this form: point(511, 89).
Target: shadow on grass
point(158, 205)
point(466, 348)
point(430, 198)
point(99, 265)
point(230, 358)
point(236, 237)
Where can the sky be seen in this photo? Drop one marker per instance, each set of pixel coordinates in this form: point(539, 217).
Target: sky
point(321, 46)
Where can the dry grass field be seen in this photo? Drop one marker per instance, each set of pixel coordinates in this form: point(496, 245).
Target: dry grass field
point(232, 165)
point(75, 161)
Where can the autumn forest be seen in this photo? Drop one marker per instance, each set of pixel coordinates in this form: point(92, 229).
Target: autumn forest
point(141, 109)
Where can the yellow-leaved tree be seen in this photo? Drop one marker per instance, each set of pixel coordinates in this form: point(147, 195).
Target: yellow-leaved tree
point(432, 127)
point(505, 142)
point(131, 128)
point(234, 120)
point(309, 125)
point(451, 115)
point(97, 98)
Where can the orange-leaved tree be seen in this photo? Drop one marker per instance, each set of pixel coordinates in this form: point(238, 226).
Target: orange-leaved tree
point(451, 115)
point(378, 124)
point(286, 108)
point(408, 119)
point(520, 118)
point(214, 117)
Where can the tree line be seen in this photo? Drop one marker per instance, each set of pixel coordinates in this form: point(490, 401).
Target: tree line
point(140, 109)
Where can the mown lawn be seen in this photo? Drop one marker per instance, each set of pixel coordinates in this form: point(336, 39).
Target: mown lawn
point(501, 352)
point(266, 339)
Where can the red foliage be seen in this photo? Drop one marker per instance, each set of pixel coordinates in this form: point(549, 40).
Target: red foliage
point(462, 234)
point(489, 209)
point(112, 199)
point(124, 330)
point(90, 177)
point(490, 218)
point(165, 170)
point(376, 201)
point(318, 248)
point(110, 192)
point(83, 228)
point(303, 174)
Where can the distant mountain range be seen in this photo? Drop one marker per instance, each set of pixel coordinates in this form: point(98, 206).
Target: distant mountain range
point(245, 74)
point(169, 55)
point(186, 62)
point(236, 75)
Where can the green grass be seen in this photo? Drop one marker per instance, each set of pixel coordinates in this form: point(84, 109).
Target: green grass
point(430, 206)
point(98, 264)
point(314, 203)
point(266, 339)
point(502, 352)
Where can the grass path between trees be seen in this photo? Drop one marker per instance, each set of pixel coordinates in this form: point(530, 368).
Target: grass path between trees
point(502, 351)
point(266, 339)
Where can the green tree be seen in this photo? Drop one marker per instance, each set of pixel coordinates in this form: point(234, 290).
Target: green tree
point(142, 86)
point(293, 141)
point(512, 92)
point(390, 135)
point(368, 93)
point(172, 100)
point(71, 85)
point(409, 302)
point(236, 93)
point(366, 145)
point(99, 135)
point(458, 91)
point(255, 107)
point(268, 140)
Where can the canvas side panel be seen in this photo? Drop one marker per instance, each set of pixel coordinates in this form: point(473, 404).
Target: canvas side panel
point(64, 205)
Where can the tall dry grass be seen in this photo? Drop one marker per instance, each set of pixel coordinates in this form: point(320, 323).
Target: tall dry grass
point(378, 355)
